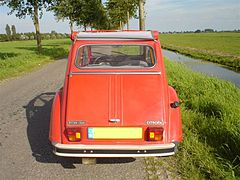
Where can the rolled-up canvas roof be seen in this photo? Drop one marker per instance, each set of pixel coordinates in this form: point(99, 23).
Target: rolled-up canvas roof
point(123, 35)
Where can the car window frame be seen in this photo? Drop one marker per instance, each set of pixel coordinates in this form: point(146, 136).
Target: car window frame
point(114, 68)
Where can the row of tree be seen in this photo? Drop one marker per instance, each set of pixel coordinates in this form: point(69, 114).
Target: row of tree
point(87, 13)
point(201, 31)
point(92, 13)
point(12, 35)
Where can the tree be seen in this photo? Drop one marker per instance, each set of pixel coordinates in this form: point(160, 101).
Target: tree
point(65, 9)
point(92, 15)
point(3, 37)
point(14, 32)
point(208, 30)
point(8, 32)
point(32, 8)
point(198, 31)
point(120, 11)
point(83, 12)
point(102, 20)
point(54, 32)
point(131, 8)
point(141, 15)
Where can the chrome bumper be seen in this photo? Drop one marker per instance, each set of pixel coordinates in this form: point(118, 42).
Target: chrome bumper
point(80, 150)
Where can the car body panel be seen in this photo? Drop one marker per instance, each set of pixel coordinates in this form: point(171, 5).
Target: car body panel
point(106, 97)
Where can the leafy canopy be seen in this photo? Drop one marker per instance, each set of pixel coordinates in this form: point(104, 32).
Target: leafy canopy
point(118, 11)
point(24, 8)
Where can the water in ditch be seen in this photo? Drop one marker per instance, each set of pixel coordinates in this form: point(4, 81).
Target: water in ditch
point(205, 67)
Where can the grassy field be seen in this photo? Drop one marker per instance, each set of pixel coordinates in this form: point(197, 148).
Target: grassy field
point(222, 48)
point(211, 125)
point(19, 57)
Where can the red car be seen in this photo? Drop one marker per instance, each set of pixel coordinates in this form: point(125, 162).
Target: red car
point(115, 101)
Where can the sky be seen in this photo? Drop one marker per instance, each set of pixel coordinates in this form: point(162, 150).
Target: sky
point(161, 15)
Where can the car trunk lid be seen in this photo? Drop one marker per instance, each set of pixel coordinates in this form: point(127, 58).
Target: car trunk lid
point(115, 100)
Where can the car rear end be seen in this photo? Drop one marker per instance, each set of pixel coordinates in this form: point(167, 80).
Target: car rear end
point(116, 101)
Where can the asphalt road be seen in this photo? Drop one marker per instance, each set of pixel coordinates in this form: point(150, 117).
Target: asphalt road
point(25, 152)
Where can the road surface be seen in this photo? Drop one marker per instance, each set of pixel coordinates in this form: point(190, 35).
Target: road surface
point(25, 152)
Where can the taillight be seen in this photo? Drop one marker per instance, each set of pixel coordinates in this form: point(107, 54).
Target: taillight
point(73, 134)
point(154, 134)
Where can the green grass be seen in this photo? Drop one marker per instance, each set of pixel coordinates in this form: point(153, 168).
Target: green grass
point(222, 48)
point(18, 57)
point(211, 125)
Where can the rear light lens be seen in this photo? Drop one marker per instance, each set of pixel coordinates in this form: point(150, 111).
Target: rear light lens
point(73, 134)
point(154, 134)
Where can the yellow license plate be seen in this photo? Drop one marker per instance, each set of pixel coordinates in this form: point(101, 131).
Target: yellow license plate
point(115, 133)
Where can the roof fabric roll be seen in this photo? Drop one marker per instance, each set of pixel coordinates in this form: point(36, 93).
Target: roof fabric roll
point(123, 35)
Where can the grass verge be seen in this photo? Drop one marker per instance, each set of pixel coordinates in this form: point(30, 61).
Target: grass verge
point(221, 48)
point(211, 125)
point(18, 57)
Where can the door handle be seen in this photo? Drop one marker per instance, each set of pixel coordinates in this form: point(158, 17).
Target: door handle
point(114, 120)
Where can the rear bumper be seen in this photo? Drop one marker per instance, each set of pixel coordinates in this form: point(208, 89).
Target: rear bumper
point(79, 150)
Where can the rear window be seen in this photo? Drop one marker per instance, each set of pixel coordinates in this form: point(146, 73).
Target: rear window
point(115, 56)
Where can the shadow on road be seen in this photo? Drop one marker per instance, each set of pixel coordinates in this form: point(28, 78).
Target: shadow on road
point(38, 114)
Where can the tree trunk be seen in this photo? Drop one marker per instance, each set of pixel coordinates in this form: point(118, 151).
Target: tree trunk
point(128, 20)
point(120, 25)
point(141, 15)
point(71, 26)
point(36, 24)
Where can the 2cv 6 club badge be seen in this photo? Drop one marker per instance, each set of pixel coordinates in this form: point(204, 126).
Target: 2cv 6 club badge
point(115, 101)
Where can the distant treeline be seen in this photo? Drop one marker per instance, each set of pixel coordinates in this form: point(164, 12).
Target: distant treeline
point(32, 36)
point(12, 35)
point(200, 31)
